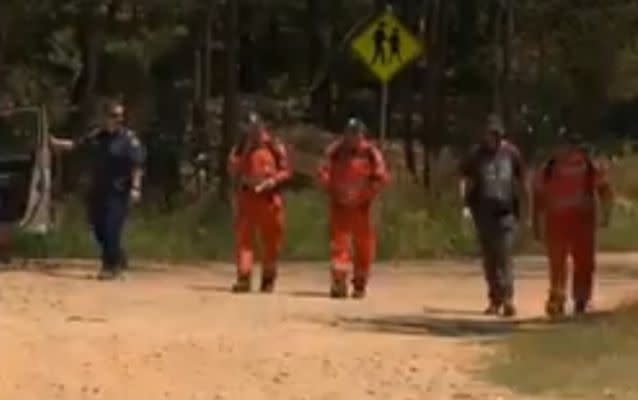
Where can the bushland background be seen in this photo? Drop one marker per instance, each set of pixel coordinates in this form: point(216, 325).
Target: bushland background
point(188, 71)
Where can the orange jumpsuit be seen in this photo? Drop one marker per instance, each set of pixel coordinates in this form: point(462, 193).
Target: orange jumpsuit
point(565, 194)
point(259, 212)
point(353, 176)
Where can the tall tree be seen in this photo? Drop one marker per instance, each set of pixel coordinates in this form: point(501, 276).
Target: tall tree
point(231, 92)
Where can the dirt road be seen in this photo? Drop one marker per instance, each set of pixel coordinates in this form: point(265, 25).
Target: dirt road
point(180, 335)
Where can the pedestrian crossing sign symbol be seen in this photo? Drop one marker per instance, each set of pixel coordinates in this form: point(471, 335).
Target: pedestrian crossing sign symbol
point(386, 46)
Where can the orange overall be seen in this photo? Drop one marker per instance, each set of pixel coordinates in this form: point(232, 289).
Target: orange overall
point(260, 212)
point(353, 176)
point(565, 193)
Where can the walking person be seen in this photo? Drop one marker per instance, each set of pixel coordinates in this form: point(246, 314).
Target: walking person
point(492, 184)
point(259, 165)
point(352, 173)
point(118, 159)
point(570, 193)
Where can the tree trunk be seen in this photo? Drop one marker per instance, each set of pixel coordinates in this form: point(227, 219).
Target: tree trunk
point(410, 13)
point(231, 95)
point(433, 29)
point(316, 53)
point(496, 14)
point(507, 90)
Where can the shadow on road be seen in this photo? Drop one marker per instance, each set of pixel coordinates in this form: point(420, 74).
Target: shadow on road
point(455, 326)
point(73, 275)
point(209, 288)
point(310, 294)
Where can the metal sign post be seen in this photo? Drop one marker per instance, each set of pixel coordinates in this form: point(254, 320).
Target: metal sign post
point(383, 123)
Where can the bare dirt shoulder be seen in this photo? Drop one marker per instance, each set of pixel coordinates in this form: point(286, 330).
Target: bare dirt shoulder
point(179, 334)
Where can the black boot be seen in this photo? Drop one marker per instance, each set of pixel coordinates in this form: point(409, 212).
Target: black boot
point(268, 284)
point(124, 265)
point(580, 307)
point(509, 310)
point(107, 274)
point(242, 285)
point(339, 289)
point(494, 308)
point(555, 306)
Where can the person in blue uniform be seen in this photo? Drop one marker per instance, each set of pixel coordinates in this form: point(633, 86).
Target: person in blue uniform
point(118, 157)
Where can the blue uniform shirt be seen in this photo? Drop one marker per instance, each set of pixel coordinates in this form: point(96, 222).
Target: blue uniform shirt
point(114, 155)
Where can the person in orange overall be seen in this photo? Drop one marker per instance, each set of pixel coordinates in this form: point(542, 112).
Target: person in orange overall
point(565, 203)
point(259, 166)
point(353, 173)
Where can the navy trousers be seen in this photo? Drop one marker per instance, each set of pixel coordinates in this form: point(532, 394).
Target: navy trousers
point(107, 216)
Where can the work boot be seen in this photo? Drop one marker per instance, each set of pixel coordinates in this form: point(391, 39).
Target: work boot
point(493, 308)
point(242, 285)
point(267, 284)
point(108, 274)
point(580, 307)
point(509, 310)
point(339, 290)
point(555, 306)
point(358, 292)
point(124, 262)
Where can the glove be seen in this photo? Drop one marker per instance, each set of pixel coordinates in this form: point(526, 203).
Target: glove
point(266, 184)
point(136, 195)
point(466, 213)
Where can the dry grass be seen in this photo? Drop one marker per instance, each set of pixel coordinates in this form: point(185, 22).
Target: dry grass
point(593, 358)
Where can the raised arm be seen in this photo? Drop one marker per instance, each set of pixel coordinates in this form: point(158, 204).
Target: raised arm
point(325, 165)
point(380, 174)
point(284, 169)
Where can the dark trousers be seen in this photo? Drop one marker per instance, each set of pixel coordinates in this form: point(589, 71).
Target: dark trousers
point(107, 216)
point(496, 238)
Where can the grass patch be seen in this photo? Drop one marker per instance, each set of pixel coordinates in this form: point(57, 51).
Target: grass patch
point(591, 359)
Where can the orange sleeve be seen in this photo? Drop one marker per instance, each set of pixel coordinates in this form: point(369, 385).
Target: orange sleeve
point(380, 173)
point(325, 165)
point(284, 169)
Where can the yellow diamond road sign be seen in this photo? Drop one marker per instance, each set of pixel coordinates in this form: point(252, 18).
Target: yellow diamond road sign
point(386, 46)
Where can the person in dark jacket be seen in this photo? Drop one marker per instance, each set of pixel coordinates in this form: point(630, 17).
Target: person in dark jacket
point(493, 177)
point(118, 158)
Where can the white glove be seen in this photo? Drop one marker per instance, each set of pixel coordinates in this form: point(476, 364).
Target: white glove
point(266, 184)
point(466, 213)
point(136, 195)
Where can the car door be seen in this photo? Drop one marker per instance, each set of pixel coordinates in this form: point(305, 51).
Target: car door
point(25, 168)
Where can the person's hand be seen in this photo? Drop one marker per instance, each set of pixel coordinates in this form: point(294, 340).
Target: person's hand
point(266, 184)
point(466, 213)
point(136, 195)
